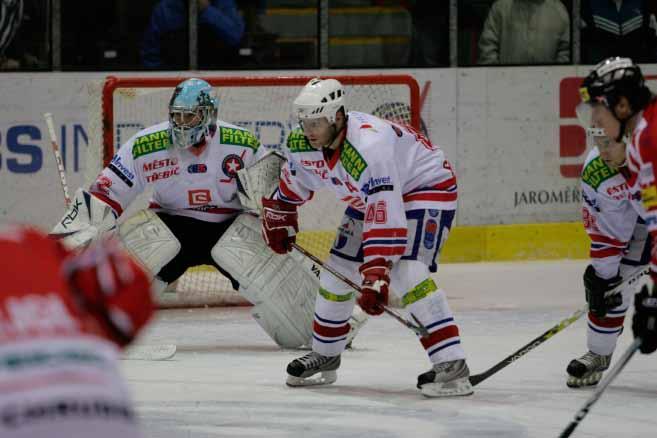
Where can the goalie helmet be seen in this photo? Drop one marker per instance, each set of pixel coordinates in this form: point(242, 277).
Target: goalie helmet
point(192, 113)
point(613, 78)
point(320, 98)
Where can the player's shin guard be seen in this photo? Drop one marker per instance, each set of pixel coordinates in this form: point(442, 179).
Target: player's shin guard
point(331, 324)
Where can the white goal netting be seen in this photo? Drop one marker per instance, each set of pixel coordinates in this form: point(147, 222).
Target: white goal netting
point(120, 106)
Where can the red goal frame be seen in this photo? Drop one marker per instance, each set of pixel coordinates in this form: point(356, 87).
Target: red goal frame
point(112, 83)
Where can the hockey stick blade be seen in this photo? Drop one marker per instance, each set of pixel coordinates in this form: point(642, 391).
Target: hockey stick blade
point(478, 378)
point(611, 375)
point(150, 352)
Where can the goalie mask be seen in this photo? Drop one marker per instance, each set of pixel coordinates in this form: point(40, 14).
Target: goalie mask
point(192, 113)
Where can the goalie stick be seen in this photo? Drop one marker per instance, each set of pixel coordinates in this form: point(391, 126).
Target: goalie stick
point(419, 329)
point(478, 378)
point(149, 352)
point(138, 352)
point(58, 156)
point(611, 375)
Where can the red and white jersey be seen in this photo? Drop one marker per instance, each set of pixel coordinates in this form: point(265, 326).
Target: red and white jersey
point(58, 375)
point(642, 161)
point(609, 213)
point(201, 186)
point(381, 169)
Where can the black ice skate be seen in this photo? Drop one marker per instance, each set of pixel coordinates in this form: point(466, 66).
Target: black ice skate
point(587, 370)
point(446, 379)
point(300, 371)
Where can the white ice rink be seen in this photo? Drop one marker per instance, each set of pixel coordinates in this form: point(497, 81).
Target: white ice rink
point(227, 379)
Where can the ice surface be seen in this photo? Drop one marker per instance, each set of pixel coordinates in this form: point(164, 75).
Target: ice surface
point(227, 379)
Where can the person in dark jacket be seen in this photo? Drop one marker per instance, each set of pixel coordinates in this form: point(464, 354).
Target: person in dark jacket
point(220, 31)
point(619, 28)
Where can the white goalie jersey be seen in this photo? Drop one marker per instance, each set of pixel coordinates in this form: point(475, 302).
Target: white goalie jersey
point(611, 214)
point(202, 186)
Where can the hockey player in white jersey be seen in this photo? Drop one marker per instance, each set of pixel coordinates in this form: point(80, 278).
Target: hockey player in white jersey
point(401, 193)
point(620, 246)
point(194, 218)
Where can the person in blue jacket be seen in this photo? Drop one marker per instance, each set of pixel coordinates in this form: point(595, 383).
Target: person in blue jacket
point(220, 31)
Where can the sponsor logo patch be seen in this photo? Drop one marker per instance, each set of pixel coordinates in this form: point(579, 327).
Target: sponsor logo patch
point(430, 230)
point(346, 231)
point(352, 161)
point(231, 164)
point(150, 143)
point(199, 197)
point(296, 142)
point(197, 168)
point(238, 137)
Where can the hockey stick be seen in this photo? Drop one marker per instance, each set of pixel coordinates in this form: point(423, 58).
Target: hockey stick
point(477, 378)
point(58, 157)
point(611, 375)
point(149, 352)
point(419, 329)
point(137, 352)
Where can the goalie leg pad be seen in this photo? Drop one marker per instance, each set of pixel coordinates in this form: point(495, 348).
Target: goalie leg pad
point(283, 288)
point(149, 240)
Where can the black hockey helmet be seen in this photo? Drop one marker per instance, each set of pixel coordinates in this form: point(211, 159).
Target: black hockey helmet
point(612, 78)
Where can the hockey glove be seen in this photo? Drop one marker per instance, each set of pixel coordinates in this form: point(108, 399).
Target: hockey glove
point(279, 224)
point(374, 289)
point(644, 322)
point(596, 287)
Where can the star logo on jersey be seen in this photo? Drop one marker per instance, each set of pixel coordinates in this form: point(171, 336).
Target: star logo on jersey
point(231, 164)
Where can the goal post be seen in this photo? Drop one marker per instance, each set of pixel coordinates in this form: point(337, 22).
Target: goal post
point(120, 106)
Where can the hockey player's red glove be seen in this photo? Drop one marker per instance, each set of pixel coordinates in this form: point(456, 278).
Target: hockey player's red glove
point(374, 289)
point(279, 224)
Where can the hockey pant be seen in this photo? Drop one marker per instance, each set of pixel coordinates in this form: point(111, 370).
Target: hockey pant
point(410, 281)
point(602, 333)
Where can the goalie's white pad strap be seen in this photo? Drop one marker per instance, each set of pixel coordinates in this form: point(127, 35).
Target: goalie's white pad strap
point(259, 180)
point(86, 219)
point(148, 238)
point(282, 287)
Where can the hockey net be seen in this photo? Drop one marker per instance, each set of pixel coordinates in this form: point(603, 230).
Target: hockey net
point(121, 106)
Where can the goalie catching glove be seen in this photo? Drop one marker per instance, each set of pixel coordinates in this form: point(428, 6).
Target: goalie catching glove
point(596, 289)
point(375, 285)
point(86, 219)
point(279, 224)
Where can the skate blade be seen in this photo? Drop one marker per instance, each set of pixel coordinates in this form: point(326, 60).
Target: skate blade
point(453, 389)
point(326, 378)
point(578, 382)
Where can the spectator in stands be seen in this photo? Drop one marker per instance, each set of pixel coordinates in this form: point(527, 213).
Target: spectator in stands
point(430, 37)
point(619, 28)
point(220, 31)
point(526, 32)
point(22, 34)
